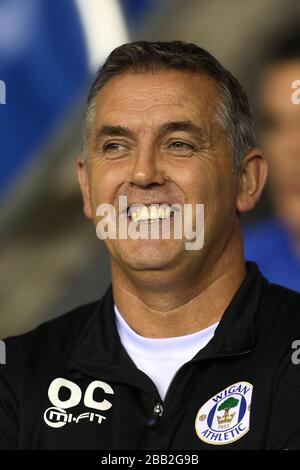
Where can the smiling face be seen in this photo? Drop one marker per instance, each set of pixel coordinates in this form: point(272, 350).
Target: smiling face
point(155, 140)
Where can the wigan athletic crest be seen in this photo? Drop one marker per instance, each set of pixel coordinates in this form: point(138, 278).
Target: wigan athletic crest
point(225, 417)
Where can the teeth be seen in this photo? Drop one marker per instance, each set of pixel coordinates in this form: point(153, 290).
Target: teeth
point(150, 213)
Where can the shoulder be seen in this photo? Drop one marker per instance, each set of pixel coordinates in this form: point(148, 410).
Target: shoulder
point(279, 313)
point(49, 339)
point(282, 298)
point(69, 321)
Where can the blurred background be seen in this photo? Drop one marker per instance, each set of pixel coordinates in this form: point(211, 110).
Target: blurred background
point(50, 257)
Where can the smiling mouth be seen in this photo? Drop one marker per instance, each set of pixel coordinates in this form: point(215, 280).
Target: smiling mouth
point(145, 213)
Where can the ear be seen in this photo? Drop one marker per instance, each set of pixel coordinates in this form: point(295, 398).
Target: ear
point(253, 175)
point(82, 176)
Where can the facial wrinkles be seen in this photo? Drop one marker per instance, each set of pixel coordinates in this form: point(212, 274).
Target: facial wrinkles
point(147, 95)
point(146, 126)
point(149, 106)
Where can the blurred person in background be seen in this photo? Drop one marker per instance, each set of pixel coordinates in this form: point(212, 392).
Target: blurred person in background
point(275, 243)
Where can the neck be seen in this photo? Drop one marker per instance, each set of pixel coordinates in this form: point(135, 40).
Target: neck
point(189, 306)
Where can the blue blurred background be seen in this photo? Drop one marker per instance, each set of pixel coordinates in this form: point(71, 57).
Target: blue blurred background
point(50, 259)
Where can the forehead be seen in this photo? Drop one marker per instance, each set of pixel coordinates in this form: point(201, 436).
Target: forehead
point(157, 96)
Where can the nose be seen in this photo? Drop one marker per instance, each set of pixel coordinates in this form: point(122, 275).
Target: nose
point(147, 168)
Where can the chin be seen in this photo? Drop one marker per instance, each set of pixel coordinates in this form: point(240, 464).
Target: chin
point(149, 256)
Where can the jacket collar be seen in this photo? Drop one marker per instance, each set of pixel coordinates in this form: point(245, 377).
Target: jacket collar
point(100, 353)
point(235, 333)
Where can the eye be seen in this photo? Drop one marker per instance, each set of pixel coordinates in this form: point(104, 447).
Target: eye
point(113, 147)
point(115, 150)
point(178, 144)
point(180, 147)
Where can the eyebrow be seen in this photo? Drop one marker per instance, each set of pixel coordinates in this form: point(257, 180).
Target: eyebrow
point(107, 131)
point(183, 126)
point(168, 127)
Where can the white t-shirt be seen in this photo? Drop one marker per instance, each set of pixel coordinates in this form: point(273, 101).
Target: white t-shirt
point(160, 358)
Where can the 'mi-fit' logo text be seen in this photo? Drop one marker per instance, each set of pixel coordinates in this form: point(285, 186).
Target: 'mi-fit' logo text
point(225, 417)
point(56, 416)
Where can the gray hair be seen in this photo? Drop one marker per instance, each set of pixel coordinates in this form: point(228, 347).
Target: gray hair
point(233, 113)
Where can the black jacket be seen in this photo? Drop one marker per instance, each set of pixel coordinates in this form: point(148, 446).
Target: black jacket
point(70, 384)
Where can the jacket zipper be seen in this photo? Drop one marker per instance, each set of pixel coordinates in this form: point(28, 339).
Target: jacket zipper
point(162, 402)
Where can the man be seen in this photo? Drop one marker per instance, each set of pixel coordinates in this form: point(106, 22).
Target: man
point(189, 348)
point(278, 101)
